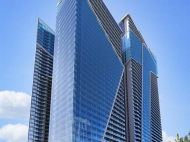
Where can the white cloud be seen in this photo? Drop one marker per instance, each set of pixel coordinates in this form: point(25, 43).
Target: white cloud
point(14, 133)
point(167, 138)
point(14, 105)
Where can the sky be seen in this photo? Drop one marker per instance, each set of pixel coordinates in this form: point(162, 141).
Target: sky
point(164, 24)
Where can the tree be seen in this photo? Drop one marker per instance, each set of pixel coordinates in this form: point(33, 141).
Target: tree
point(179, 140)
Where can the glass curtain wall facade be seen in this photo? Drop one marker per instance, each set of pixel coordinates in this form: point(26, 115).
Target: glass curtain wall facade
point(42, 81)
point(88, 75)
point(142, 99)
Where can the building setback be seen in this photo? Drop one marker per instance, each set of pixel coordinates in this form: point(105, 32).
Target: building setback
point(42, 83)
point(104, 84)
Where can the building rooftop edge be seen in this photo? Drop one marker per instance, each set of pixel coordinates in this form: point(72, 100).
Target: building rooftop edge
point(41, 21)
point(126, 16)
point(60, 1)
point(144, 43)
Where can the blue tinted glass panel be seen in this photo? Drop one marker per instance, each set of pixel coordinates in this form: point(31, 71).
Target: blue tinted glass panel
point(45, 37)
point(136, 48)
point(131, 48)
point(149, 65)
point(126, 48)
point(61, 116)
point(97, 75)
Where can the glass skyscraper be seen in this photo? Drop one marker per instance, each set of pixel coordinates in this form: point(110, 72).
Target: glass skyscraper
point(87, 73)
point(42, 81)
point(104, 83)
point(141, 87)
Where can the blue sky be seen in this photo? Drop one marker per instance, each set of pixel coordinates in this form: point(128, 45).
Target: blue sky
point(164, 24)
